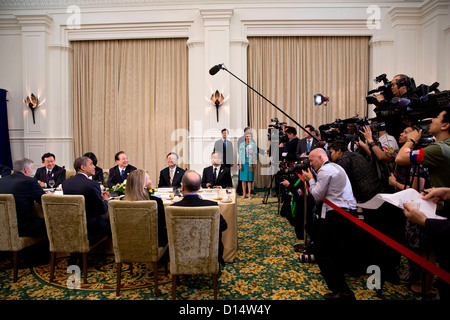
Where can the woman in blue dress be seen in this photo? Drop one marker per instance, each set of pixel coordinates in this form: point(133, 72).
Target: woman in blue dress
point(248, 155)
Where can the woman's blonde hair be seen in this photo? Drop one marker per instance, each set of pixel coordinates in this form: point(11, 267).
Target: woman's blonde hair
point(134, 190)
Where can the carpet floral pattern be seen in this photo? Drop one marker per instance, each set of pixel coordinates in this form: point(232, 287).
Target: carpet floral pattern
point(266, 268)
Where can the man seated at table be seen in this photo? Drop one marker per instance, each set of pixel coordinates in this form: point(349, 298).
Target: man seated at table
point(172, 174)
point(217, 175)
point(96, 201)
point(190, 185)
point(50, 171)
point(26, 191)
point(120, 171)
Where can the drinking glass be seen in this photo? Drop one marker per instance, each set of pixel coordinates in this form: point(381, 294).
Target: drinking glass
point(51, 183)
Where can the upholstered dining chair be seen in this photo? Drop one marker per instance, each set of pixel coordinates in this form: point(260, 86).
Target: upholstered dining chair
point(65, 219)
point(70, 173)
point(193, 234)
point(134, 229)
point(9, 232)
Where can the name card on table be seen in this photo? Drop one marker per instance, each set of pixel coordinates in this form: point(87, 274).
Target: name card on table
point(209, 195)
point(162, 194)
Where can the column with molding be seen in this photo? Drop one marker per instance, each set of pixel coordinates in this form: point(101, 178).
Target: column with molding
point(215, 49)
point(35, 29)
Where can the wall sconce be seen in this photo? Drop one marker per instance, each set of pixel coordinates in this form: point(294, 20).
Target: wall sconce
point(32, 103)
point(320, 99)
point(217, 99)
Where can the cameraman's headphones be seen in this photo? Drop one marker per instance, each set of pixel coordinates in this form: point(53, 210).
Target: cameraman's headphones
point(403, 82)
point(407, 82)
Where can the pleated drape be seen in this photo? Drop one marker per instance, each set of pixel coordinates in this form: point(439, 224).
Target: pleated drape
point(130, 95)
point(290, 70)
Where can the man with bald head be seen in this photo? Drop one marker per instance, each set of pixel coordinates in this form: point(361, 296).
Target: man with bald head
point(335, 231)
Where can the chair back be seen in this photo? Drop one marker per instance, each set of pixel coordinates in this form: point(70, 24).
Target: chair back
point(9, 232)
point(134, 230)
point(70, 173)
point(193, 237)
point(65, 218)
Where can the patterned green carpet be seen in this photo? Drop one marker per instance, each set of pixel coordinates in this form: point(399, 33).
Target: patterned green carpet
point(266, 268)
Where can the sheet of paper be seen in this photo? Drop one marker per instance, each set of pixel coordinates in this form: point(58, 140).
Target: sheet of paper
point(410, 196)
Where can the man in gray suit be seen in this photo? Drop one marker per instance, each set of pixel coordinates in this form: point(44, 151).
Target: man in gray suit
point(224, 148)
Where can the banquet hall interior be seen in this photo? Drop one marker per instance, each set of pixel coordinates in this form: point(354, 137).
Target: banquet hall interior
point(153, 77)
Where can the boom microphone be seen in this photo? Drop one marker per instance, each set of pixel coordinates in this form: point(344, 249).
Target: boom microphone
point(215, 69)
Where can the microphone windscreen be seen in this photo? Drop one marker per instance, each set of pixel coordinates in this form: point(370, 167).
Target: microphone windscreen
point(215, 69)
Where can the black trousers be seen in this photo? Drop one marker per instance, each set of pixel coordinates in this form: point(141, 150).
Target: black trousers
point(390, 221)
point(339, 244)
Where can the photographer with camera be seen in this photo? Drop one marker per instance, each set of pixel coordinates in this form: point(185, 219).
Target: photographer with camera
point(296, 216)
point(362, 176)
point(365, 185)
point(335, 232)
point(385, 148)
point(435, 156)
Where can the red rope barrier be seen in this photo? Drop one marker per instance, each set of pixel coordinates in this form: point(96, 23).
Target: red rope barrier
point(431, 267)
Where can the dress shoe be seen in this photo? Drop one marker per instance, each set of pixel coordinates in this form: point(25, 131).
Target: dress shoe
point(350, 296)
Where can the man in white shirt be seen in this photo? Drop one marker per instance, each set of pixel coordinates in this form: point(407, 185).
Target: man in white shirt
point(172, 174)
point(333, 184)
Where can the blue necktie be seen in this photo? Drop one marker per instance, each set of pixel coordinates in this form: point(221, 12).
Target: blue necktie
point(123, 173)
point(224, 151)
point(214, 175)
point(308, 144)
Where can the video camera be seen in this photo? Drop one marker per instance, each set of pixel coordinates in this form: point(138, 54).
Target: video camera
point(348, 129)
point(276, 124)
point(421, 104)
point(385, 90)
point(289, 171)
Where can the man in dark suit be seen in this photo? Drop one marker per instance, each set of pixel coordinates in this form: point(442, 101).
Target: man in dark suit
point(216, 175)
point(96, 202)
point(26, 191)
point(171, 176)
point(307, 144)
point(120, 171)
point(190, 185)
point(225, 148)
point(4, 170)
point(289, 148)
point(50, 171)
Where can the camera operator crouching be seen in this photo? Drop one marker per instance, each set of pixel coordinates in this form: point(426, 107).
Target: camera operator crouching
point(336, 232)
